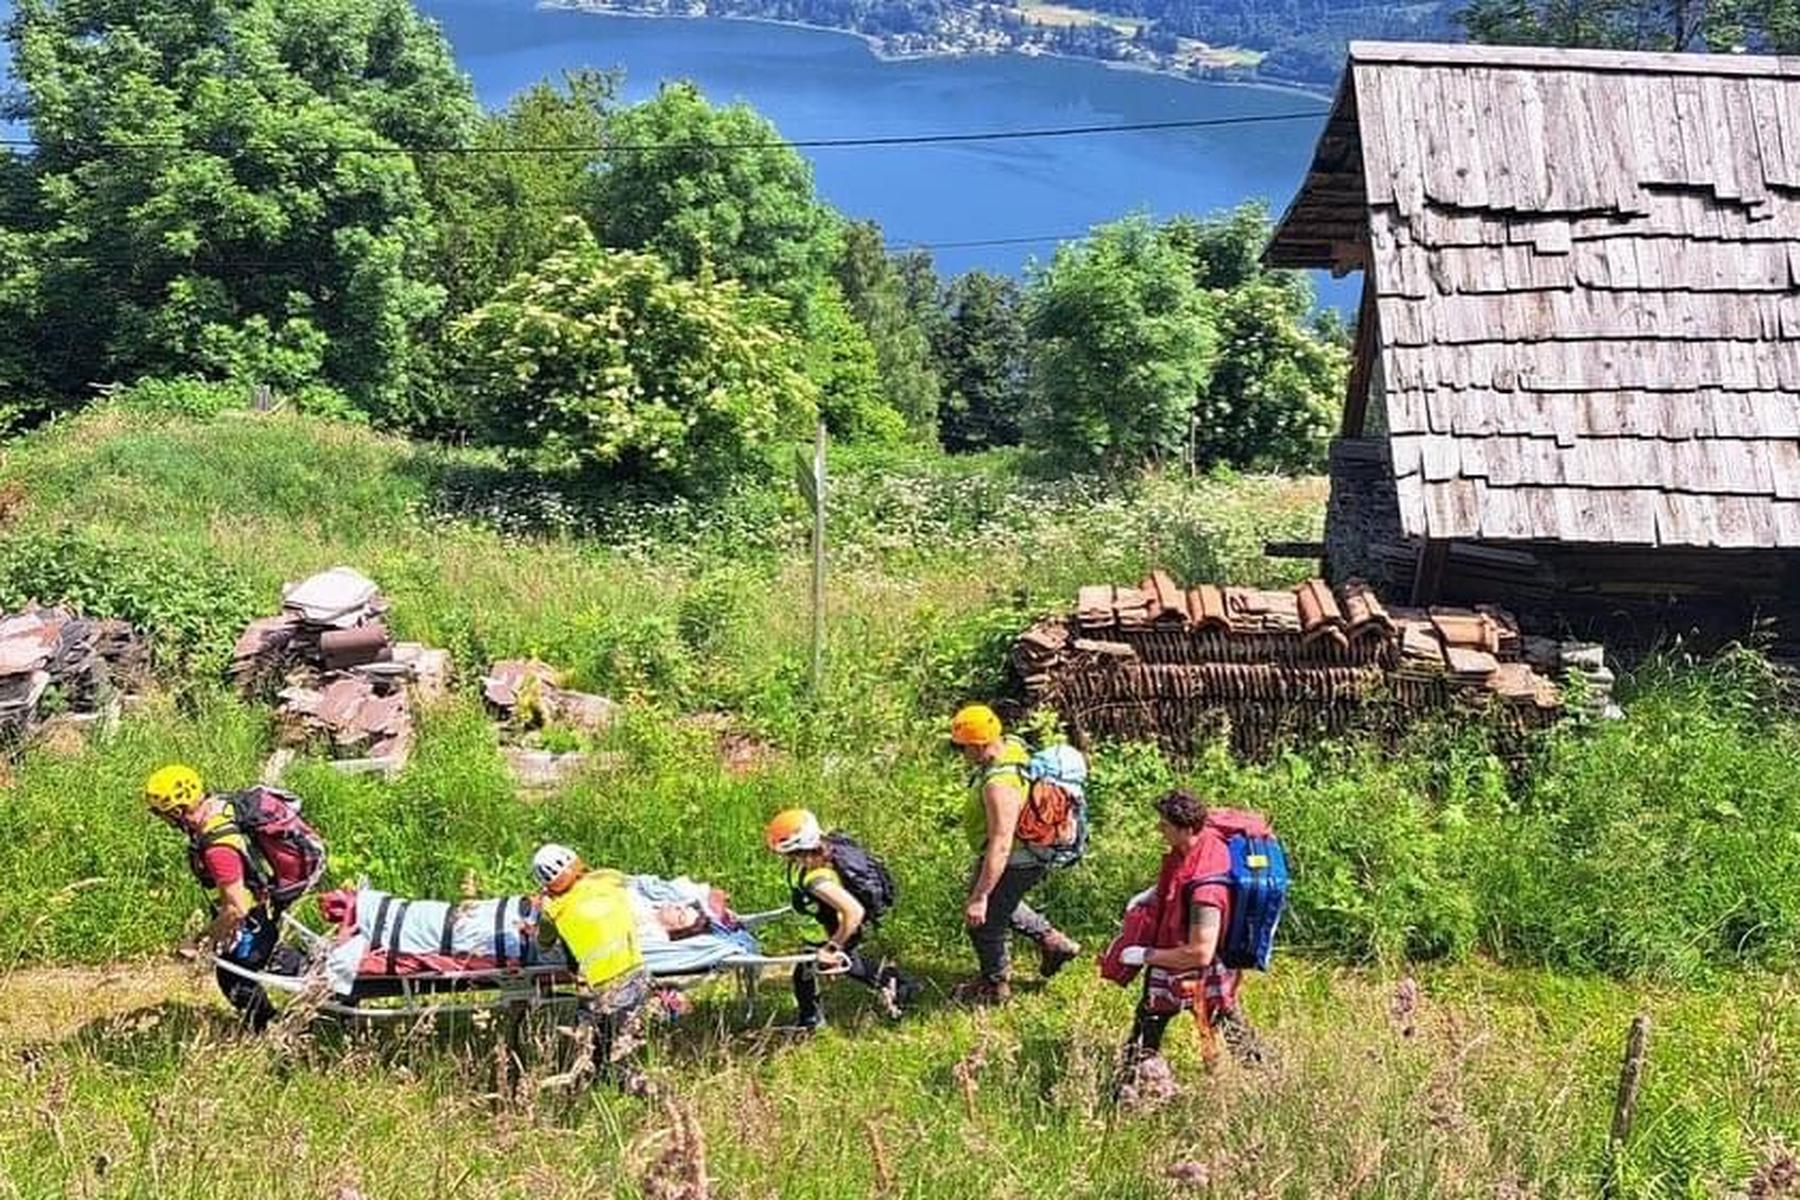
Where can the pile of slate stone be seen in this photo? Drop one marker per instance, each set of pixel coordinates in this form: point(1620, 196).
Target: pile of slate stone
point(526, 696)
point(343, 684)
point(56, 663)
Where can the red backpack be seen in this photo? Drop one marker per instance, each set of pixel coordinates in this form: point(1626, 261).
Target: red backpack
point(284, 855)
point(1139, 930)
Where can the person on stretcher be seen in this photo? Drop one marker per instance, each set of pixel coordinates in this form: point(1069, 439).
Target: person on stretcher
point(681, 924)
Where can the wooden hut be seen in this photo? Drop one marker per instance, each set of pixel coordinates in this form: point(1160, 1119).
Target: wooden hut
point(1577, 372)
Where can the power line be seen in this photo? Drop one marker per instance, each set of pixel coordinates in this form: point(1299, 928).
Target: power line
point(892, 245)
point(974, 243)
point(835, 143)
point(202, 262)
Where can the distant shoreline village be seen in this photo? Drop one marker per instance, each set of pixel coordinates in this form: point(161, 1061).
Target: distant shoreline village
point(991, 29)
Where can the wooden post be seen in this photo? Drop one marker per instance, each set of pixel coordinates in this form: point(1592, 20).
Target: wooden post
point(1631, 1076)
point(1428, 574)
point(809, 477)
point(1364, 348)
point(818, 581)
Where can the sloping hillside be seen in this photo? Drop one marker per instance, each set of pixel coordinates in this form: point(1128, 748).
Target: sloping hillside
point(1657, 849)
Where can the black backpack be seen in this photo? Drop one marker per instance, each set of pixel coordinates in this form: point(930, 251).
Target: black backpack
point(865, 876)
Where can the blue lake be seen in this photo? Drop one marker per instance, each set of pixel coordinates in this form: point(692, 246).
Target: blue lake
point(1026, 194)
point(818, 84)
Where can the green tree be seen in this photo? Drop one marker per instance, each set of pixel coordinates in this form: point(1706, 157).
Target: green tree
point(1776, 24)
point(501, 211)
point(745, 211)
point(601, 359)
point(923, 290)
point(1224, 251)
point(1121, 346)
point(842, 366)
point(22, 293)
point(982, 353)
point(877, 295)
point(202, 200)
point(1767, 26)
point(1613, 24)
point(1273, 400)
point(1274, 395)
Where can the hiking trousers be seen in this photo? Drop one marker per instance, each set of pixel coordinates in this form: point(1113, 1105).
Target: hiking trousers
point(1007, 914)
point(865, 972)
point(255, 946)
point(614, 1016)
point(1239, 1036)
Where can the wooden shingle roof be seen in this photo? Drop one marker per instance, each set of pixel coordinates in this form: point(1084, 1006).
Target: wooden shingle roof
point(1586, 269)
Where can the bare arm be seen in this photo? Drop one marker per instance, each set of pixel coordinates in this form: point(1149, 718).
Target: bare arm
point(235, 903)
point(1202, 944)
point(1003, 803)
point(849, 910)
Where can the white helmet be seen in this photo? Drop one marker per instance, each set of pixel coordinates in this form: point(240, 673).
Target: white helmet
point(550, 861)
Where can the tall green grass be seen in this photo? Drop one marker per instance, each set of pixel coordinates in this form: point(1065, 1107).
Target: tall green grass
point(1663, 848)
point(1665, 845)
point(1488, 1084)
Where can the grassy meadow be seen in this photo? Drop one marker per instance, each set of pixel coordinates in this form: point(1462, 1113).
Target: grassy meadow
point(1468, 942)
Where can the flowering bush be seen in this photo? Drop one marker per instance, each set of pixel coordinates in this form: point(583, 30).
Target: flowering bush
point(601, 358)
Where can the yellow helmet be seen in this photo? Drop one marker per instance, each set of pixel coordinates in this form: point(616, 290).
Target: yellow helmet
point(172, 790)
point(793, 829)
point(975, 725)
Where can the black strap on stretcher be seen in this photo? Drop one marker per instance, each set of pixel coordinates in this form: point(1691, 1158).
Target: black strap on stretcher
point(380, 926)
point(394, 930)
point(393, 950)
point(500, 931)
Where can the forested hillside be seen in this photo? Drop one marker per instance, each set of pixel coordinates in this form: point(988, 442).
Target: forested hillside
point(1298, 42)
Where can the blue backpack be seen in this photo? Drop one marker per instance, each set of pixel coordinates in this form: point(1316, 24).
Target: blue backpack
point(1258, 880)
point(1054, 822)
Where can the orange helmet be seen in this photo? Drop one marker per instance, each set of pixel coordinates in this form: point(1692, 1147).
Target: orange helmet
point(793, 829)
point(975, 725)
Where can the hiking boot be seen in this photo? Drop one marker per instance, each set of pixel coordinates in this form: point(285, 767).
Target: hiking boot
point(629, 1081)
point(984, 992)
point(1241, 1039)
point(1143, 1082)
point(804, 1026)
point(1055, 951)
point(896, 992)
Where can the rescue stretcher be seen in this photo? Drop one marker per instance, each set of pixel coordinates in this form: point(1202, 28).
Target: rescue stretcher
point(408, 994)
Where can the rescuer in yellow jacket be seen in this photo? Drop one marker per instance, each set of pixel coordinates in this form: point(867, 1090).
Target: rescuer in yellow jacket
point(588, 912)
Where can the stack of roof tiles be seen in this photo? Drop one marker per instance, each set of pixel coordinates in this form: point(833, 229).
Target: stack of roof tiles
point(51, 652)
point(331, 621)
point(351, 716)
point(1177, 664)
point(341, 680)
